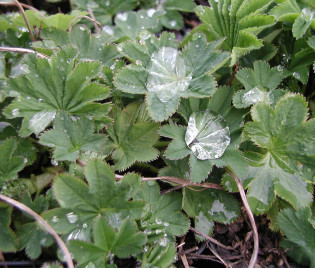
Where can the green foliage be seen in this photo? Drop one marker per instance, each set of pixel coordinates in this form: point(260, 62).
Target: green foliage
point(165, 75)
point(116, 94)
point(8, 241)
point(70, 136)
point(49, 87)
point(132, 136)
point(300, 235)
point(260, 84)
point(238, 21)
point(223, 154)
point(287, 166)
point(123, 243)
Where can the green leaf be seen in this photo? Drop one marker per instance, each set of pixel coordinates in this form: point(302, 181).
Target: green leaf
point(91, 46)
point(10, 163)
point(208, 206)
point(226, 152)
point(300, 235)
point(71, 136)
point(50, 87)
point(259, 83)
point(58, 21)
point(131, 137)
point(129, 24)
point(166, 74)
point(123, 243)
point(8, 241)
point(81, 204)
point(237, 21)
point(287, 167)
point(105, 10)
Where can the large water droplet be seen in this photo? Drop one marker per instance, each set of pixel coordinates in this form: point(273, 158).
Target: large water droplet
point(72, 218)
point(151, 12)
point(173, 23)
point(54, 162)
point(207, 135)
point(296, 75)
point(167, 75)
point(122, 16)
point(107, 29)
point(15, 112)
point(55, 219)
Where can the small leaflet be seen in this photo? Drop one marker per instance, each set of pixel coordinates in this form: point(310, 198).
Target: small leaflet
point(257, 95)
point(167, 75)
point(207, 135)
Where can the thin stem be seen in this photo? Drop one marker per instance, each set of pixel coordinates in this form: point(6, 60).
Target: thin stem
point(235, 69)
point(3, 260)
point(23, 50)
point(43, 223)
point(210, 238)
point(238, 182)
point(215, 253)
point(25, 19)
point(95, 23)
point(83, 17)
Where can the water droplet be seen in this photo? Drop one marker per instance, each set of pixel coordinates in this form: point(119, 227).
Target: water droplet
point(87, 78)
point(280, 68)
point(173, 23)
point(145, 249)
point(65, 131)
point(229, 8)
point(158, 221)
point(107, 3)
point(68, 61)
point(25, 160)
point(81, 28)
point(197, 45)
point(167, 75)
point(216, 1)
point(158, 231)
point(151, 12)
point(107, 29)
point(148, 231)
point(43, 241)
point(55, 219)
point(15, 112)
point(119, 48)
point(207, 135)
point(163, 242)
point(166, 224)
point(84, 225)
point(28, 97)
point(284, 122)
point(54, 162)
point(72, 218)
point(36, 75)
point(296, 75)
point(151, 183)
point(61, 60)
point(122, 16)
point(40, 100)
point(139, 62)
point(254, 95)
point(141, 17)
point(62, 69)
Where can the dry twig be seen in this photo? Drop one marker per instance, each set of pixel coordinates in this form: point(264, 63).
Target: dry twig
point(237, 180)
point(3, 260)
point(23, 50)
point(43, 223)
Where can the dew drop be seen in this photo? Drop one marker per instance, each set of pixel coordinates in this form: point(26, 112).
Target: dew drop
point(158, 221)
point(148, 231)
point(173, 23)
point(197, 45)
point(139, 62)
point(65, 131)
point(166, 224)
point(81, 28)
point(55, 219)
point(25, 160)
point(84, 225)
point(107, 29)
point(229, 8)
point(158, 231)
point(15, 112)
point(119, 48)
point(122, 16)
point(145, 249)
point(68, 61)
point(151, 12)
point(284, 122)
point(207, 135)
point(163, 242)
point(62, 69)
point(72, 218)
point(54, 162)
point(61, 60)
point(280, 68)
point(28, 97)
point(296, 75)
point(36, 75)
point(40, 100)
point(151, 183)
point(107, 3)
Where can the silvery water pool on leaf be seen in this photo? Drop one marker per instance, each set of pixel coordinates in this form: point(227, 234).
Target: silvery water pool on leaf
point(167, 75)
point(207, 135)
point(255, 95)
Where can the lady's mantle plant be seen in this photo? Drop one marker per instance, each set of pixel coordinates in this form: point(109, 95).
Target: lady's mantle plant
point(97, 114)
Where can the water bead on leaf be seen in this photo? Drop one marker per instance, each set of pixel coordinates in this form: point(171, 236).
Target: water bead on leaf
point(207, 135)
point(167, 75)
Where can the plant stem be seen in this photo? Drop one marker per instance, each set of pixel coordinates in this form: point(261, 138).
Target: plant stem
point(238, 182)
point(43, 223)
point(25, 19)
point(23, 50)
point(3, 260)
